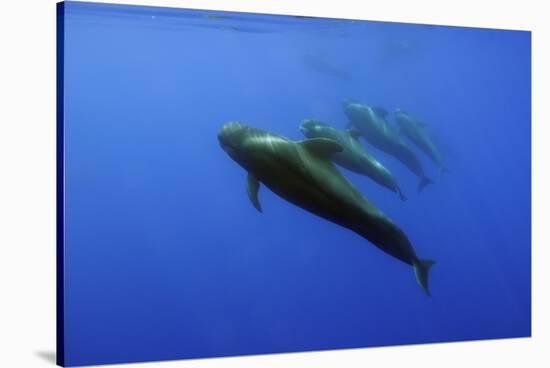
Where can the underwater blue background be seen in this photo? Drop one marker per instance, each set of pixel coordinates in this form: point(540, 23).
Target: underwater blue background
point(166, 258)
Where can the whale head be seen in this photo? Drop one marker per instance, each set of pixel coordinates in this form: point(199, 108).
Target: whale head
point(247, 145)
point(355, 110)
point(402, 118)
point(349, 101)
point(232, 136)
point(400, 113)
point(312, 128)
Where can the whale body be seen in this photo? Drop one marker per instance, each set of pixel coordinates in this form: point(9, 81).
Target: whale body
point(302, 173)
point(415, 131)
point(354, 156)
point(372, 125)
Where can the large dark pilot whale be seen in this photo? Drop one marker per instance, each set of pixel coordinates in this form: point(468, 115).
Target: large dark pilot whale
point(415, 130)
point(353, 157)
point(303, 174)
point(372, 125)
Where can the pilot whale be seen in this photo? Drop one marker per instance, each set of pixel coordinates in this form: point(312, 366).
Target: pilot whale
point(415, 130)
point(372, 125)
point(354, 156)
point(302, 173)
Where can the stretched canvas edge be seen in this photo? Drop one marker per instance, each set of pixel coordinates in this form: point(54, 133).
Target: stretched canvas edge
point(60, 185)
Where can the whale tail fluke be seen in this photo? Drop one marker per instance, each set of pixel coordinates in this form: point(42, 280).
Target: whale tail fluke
point(401, 195)
point(421, 270)
point(423, 182)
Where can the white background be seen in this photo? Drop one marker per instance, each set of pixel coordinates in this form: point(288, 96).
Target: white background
point(27, 182)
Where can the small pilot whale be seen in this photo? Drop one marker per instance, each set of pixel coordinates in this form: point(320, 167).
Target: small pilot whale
point(372, 125)
point(303, 174)
point(353, 157)
point(415, 130)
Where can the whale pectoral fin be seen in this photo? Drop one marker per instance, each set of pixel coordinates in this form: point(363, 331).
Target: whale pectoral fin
point(252, 187)
point(323, 147)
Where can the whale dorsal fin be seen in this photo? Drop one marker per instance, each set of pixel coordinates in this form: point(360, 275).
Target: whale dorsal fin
point(380, 111)
point(354, 133)
point(321, 146)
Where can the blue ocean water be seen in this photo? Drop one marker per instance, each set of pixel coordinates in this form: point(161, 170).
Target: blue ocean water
point(166, 258)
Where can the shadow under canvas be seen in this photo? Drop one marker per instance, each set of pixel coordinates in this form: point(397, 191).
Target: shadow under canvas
point(48, 356)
